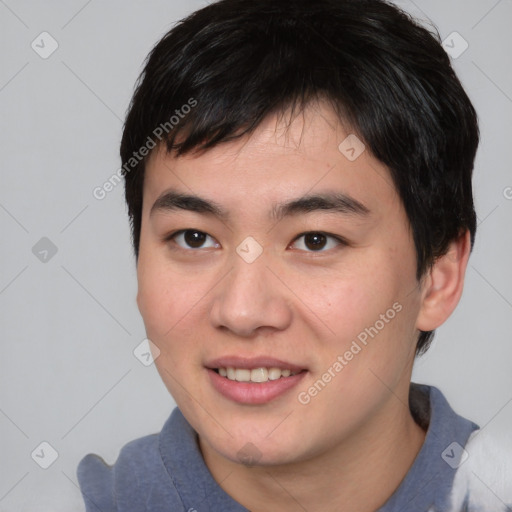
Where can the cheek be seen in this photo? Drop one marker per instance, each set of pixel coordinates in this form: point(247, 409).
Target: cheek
point(347, 302)
point(154, 299)
point(163, 295)
point(170, 304)
point(164, 302)
point(161, 305)
point(372, 305)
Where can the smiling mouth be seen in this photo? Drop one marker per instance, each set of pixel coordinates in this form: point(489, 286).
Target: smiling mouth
point(256, 375)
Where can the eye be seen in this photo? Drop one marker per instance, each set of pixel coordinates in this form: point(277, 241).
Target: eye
point(192, 239)
point(317, 242)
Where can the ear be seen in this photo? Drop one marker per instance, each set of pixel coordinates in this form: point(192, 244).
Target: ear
point(443, 285)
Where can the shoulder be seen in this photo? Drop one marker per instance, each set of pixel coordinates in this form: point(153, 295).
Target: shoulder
point(137, 478)
point(483, 480)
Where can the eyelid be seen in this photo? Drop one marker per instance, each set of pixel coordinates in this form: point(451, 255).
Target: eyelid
point(341, 241)
point(171, 238)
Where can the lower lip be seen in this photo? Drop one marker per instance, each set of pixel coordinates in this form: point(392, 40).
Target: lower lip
point(253, 393)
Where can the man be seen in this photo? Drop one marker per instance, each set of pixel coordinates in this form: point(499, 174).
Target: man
point(298, 179)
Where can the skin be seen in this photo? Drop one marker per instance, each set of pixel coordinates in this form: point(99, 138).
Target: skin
point(295, 304)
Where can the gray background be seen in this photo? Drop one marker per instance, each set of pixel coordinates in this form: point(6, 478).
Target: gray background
point(69, 324)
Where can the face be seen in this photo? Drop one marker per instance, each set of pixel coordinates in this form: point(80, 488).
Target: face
point(285, 263)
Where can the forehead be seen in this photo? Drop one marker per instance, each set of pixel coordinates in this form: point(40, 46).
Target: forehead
point(284, 158)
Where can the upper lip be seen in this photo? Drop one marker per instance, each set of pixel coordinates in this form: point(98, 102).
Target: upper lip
point(251, 363)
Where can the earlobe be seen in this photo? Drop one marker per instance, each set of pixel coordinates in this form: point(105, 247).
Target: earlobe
point(442, 287)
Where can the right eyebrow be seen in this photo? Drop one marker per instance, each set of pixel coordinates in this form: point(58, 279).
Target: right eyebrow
point(173, 200)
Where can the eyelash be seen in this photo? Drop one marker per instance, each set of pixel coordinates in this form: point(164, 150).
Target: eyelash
point(171, 238)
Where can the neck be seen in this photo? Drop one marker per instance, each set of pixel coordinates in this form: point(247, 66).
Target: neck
point(376, 457)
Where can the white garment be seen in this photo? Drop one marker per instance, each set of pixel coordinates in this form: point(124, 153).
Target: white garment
point(483, 482)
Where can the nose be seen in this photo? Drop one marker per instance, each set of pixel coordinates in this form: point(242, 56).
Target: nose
point(250, 300)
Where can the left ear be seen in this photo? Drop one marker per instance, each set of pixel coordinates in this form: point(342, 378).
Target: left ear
point(443, 285)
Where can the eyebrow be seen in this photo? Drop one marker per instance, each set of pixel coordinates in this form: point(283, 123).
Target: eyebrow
point(330, 202)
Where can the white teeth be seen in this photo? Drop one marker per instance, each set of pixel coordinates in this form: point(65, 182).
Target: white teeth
point(274, 373)
point(259, 375)
point(243, 375)
point(254, 375)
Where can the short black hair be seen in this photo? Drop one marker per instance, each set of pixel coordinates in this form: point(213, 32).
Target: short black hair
point(235, 62)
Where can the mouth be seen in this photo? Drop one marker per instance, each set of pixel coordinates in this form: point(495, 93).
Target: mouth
point(253, 381)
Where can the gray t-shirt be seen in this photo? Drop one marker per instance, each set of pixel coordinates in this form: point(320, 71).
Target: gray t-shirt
point(165, 472)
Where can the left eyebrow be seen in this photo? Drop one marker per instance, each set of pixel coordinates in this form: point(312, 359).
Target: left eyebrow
point(330, 202)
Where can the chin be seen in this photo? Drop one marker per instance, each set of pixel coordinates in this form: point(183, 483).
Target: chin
point(257, 450)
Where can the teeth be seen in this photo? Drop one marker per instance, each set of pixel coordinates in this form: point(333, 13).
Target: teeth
point(259, 375)
point(243, 375)
point(274, 374)
point(254, 375)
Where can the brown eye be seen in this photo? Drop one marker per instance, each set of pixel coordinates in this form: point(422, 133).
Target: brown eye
point(317, 242)
point(193, 239)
